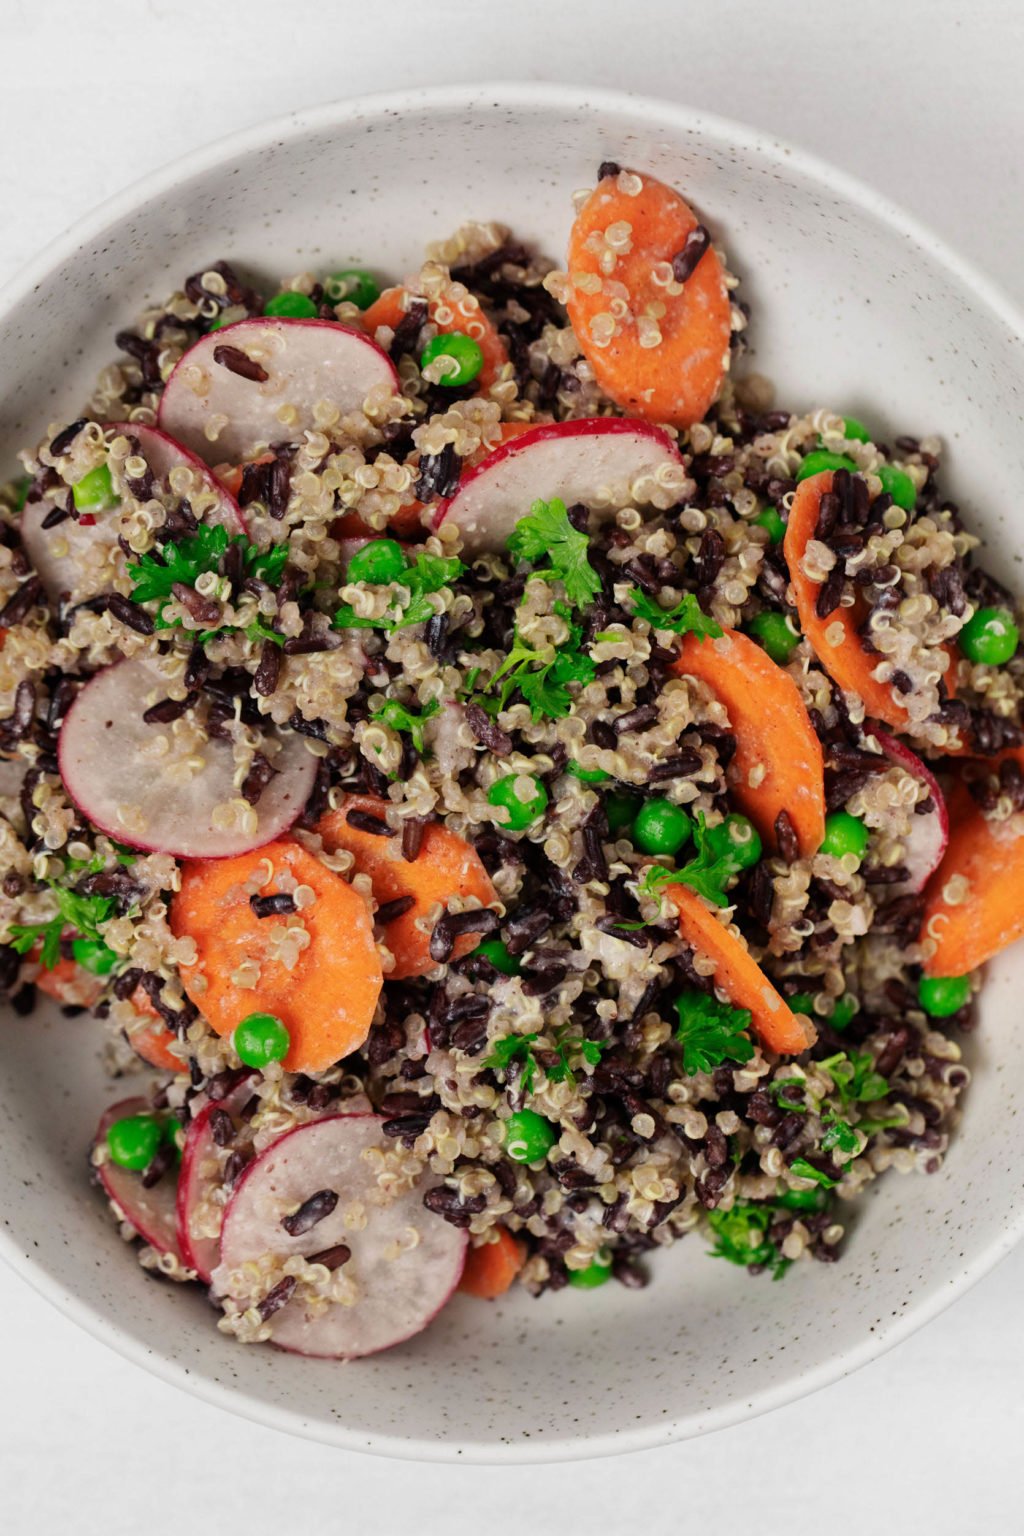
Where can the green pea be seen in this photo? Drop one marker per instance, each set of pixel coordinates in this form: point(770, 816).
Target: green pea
point(620, 809)
point(219, 322)
point(95, 491)
point(528, 1136)
point(989, 636)
point(463, 351)
point(497, 952)
point(521, 813)
point(844, 834)
point(802, 1199)
point(821, 458)
point(291, 306)
point(801, 1002)
point(777, 633)
point(940, 996)
point(769, 518)
point(354, 285)
point(94, 956)
point(587, 775)
point(844, 1010)
point(855, 431)
point(380, 561)
point(736, 839)
point(260, 1039)
point(899, 485)
point(594, 1275)
point(134, 1141)
point(661, 827)
point(21, 490)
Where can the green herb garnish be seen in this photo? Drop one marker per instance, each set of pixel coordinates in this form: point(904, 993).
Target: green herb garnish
point(83, 913)
point(399, 718)
point(685, 618)
point(711, 1032)
point(805, 1170)
point(543, 676)
point(855, 1077)
point(429, 573)
point(741, 1237)
point(708, 874)
point(547, 533)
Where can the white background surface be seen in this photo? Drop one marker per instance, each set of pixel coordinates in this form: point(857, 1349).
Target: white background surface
point(920, 97)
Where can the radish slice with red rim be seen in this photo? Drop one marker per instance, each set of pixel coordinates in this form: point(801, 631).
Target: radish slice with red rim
point(206, 496)
point(605, 463)
point(261, 381)
point(404, 1262)
point(163, 788)
point(203, 1163)
point(929, 829)
point(150, 1211)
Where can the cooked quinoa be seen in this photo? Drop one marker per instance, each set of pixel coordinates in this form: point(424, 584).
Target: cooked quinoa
point(579, 1021)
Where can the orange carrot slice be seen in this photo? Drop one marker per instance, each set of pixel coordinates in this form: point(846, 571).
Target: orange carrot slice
point(445, 866)
point(491, 1268)
point(983, 871)
point(778, 765)
point(152, 1039)
point(70, 983)
point(740, 977)
point(659, 348)
point(326, 999)
point(449, 314)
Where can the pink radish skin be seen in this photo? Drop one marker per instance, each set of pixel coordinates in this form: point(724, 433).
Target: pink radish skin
point(150, 1211)
point(604, 462)
point(307, 361)
point(162, 453)
point(397, 1295)
point(111, 761)
point(195, 1182)
point(929, 834)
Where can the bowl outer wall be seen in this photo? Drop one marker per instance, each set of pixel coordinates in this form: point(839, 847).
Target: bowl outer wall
point(857, 307)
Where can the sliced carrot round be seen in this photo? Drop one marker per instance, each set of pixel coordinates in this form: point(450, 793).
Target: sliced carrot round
point(70, 983)
point(491, 1268)
point(740, 977)
point(230, 475)
point(778, 765)
point(151, 1039)
point(658, 347)
point(326, 998)
point(973, 906)
point(449, 313)
point(445, 866)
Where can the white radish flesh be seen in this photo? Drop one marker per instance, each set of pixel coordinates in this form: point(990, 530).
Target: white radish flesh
point(73, 560)
point(155, 787)
point(929, 831)
point(150, 1211)
point(605, 463)
point(222, 414)
point(209, 501)
point(405, 1260)
point(202, 1170)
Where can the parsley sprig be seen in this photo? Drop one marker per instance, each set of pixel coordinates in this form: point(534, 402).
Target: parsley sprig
point(519, 1048)
point(83, 913)
point(547, 533)
point(855, 1077)
point(741, 1237)
point(400, 718)
point(709, 873)
point(543, 675)
point(711, 1032)
point(409, 603)
point(154, 575)
point(685, 618)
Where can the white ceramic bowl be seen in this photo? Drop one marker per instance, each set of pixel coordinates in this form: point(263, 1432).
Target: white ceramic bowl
point(854, 306)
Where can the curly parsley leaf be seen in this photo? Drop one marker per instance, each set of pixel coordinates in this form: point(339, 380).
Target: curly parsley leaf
point(429, 573)
point(741, 1237)
point(711, 1032)
point(83, 913)
point(855, 1077)
point(511, 1049)
point(154, 576)
point(543, 675)
point(685, 618)
point(400, 718)
point(708, 874)
point(591, 1052)
point(805, 1170)
point(783, 1091)
point(546, 532)
point(840, 1136)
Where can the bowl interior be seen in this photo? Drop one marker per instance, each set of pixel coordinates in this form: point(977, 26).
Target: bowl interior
point(852, 309)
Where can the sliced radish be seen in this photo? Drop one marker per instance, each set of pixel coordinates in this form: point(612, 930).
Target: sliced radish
point(929, 832)
point(202, 1169)
point(405, 1261)
point(69, 558)
point(605, 463)
point(150, 1211)
point(163, 454)
point(222, 414)
point(154, 789)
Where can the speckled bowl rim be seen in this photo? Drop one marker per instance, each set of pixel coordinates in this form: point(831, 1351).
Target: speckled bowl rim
point(19, 290)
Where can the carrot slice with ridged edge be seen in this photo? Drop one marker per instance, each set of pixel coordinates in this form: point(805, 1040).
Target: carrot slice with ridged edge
point(445, 866)
point(778, 764)
point(449, 314)
point(658, 347)
point(983, 871)
point(491, 1268)
point(740, 977)
point(326, 1000)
